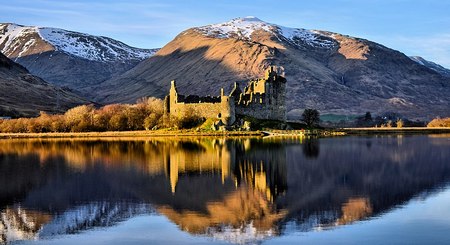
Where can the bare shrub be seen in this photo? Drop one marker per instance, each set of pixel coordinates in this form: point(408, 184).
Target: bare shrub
point(439, 122)
point(151, 121)
point(399, 123)
point(80, 118)
point(148, 112)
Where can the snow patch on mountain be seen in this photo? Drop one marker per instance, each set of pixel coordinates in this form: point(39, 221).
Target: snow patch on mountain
point(92, 47)
point(418, 59)
point(96, 48)
point(312, 38)
point(11, 36)
point(243, 28)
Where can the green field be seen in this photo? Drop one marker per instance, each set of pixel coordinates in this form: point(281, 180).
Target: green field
point(334, 118)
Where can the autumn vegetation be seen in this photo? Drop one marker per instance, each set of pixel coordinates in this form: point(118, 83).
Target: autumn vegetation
point(146, 114)
point(439, 122)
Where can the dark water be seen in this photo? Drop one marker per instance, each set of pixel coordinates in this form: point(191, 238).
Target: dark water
point(373, 190)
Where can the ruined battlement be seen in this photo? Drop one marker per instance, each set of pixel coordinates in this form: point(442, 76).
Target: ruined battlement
point(263, 98)
point(221, 107)
point(192, 99)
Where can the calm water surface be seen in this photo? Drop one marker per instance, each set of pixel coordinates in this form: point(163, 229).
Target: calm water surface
point(373, 190)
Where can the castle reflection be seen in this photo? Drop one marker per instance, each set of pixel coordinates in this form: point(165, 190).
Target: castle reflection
point(233, 189)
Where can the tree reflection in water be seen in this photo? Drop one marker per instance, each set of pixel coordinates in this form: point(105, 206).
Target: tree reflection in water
point(234, 189)
point(311, 147)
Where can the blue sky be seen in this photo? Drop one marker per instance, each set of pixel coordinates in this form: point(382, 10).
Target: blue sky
point(412, 27)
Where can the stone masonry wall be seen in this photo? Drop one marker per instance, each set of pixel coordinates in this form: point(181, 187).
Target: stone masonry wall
point(264, 98)
point(223, 110)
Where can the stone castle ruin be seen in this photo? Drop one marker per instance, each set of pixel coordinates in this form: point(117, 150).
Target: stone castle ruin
point(263, 98)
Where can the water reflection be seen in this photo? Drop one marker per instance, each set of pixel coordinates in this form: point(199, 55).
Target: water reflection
point(237, 189)
point(311, 148)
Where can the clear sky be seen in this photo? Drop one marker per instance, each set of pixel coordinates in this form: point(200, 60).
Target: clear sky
point(413, 27)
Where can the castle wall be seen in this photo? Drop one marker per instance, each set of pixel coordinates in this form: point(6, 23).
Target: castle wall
point(225, 110)
point(262, 111)
point(255, 110)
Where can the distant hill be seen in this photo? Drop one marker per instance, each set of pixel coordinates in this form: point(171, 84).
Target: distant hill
point(68, 58)
point(331, 72)
point(22, 94)
point(438, 68)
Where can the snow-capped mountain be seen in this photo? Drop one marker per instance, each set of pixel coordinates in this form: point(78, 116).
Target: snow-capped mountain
point(436, 67)
point(17, 41)
point(331, 72)
point(244, 28)
point(68, 58)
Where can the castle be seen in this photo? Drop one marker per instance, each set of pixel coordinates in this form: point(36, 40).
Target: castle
point(263, 98)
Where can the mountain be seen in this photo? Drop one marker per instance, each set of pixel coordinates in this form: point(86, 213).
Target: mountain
point(23, 94)
point(68, 58)
point(436, 67)
point(331, 72)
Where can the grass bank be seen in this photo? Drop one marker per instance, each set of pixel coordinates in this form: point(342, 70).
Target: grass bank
point(173, 133)
point(406, 130)
point(120, 134)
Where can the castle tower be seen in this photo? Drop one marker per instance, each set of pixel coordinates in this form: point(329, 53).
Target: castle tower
point(270, 72)
point(277, 94)
point(264, 98)
point(170, 102)
point(173, 92)
point(227, 109)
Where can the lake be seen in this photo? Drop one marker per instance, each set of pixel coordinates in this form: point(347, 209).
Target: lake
point(389, 189)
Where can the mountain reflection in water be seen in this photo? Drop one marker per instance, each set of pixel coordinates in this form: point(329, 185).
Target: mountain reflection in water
point(240, 190)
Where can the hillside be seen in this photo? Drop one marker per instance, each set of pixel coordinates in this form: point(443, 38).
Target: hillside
point(436, 67)
point(22, 94)
point(328, 71)
point(68, 58)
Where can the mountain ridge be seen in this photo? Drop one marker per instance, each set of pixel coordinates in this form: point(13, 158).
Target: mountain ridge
point(67, 58)
point(90, 47)
point(331, 72)
point(430, 64)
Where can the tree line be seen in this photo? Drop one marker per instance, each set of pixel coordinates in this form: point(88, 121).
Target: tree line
point(146, 114)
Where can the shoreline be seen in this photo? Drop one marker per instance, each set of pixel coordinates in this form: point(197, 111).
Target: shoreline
point(137, 134)
point(190, 133)
point(405, 130)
